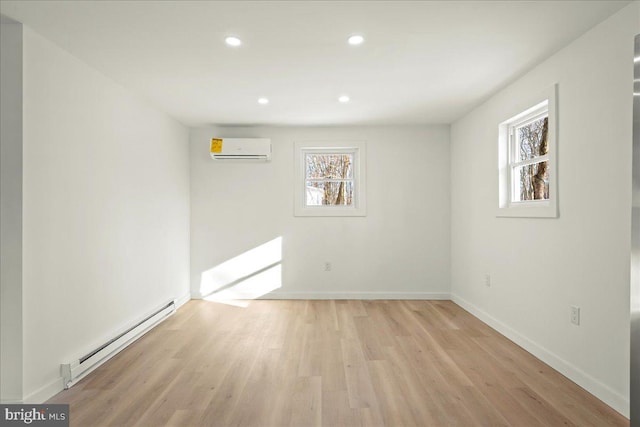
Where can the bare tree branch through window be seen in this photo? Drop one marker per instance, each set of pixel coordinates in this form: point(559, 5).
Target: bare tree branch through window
point(532, 145)
point(329, 179)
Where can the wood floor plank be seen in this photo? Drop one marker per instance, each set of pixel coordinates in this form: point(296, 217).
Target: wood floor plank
point(414, 393)
point(442, 397)
point(328, 363)
point(359, 387)
point(307, 402)
point(392, 401)
point(369, 338)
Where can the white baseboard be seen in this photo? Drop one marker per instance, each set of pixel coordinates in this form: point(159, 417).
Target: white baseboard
point(45, 392)
point(355, 295)
point(603, 392)
point(359, 295)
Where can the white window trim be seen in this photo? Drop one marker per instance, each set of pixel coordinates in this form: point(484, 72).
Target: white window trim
point(359, 151)
point(507, 207)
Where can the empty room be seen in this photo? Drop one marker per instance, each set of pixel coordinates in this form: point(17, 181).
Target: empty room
point(320, 213)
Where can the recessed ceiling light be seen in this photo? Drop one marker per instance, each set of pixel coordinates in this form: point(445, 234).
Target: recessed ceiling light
point(344, 99)
point(233, 41)
point(263, 101)
point(356, 39)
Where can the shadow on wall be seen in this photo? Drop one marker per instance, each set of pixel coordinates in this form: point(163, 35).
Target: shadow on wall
point(245, 277)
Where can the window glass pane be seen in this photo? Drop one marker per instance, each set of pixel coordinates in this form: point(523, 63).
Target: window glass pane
point(532, 139)
point(531, 182)
point(319, 193)
point(329, 166)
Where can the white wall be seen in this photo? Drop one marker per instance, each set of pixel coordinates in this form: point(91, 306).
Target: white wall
point(105, 212)
point(539, 267)
point(11, 213)
point(400, 249)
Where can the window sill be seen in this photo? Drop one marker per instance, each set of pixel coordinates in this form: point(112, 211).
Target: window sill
point(542, 209)
point(325, 211)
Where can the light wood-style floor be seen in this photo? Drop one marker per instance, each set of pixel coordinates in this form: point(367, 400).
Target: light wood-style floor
point(329, 363)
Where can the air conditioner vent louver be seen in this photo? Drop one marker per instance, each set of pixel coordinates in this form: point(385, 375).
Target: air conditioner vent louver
point(241, 149)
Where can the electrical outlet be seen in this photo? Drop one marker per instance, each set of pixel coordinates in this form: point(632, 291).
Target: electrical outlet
point(487, 280)
point(327, 266)
point(575, 315)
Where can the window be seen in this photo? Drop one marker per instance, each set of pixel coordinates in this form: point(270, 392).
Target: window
point(330, 179)
point(527, 161)
point(529, 157)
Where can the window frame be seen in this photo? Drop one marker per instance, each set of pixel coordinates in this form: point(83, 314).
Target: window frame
point(539, 106)
point(358, 150)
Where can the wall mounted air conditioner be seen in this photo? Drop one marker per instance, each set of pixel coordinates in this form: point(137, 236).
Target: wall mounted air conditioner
point(241, 149)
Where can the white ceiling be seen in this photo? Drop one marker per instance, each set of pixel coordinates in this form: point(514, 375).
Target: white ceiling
point(422, 62)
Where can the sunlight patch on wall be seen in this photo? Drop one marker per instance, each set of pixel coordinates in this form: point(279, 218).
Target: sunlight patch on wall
point(247, 276)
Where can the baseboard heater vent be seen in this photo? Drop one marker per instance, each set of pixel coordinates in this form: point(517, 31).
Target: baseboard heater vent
point(76, 370)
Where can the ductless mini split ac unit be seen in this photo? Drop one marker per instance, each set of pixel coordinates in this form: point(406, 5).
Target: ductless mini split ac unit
point(241, 149)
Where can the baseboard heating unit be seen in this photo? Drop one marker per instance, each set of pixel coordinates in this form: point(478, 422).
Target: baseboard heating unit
point(77, 369)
